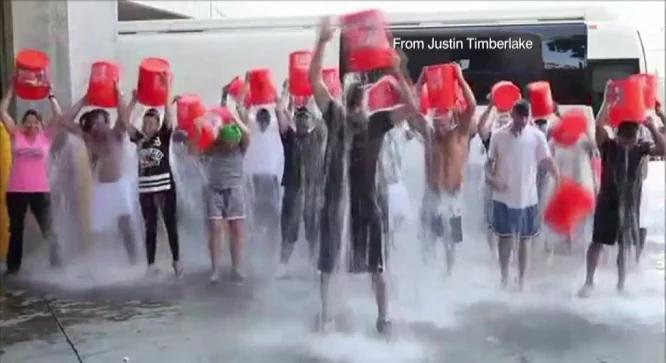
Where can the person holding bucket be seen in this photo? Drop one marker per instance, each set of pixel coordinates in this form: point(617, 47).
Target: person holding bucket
point(490, 121)
point(352, 151)
point(446, 155)
point(303, 136)
point(157, 189)
point(113, 193)
point(28, 179)
point(225, 194)
point(616, 218)
point(515, 153)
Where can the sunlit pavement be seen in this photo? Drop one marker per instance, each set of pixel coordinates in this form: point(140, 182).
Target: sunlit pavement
point(464, 319)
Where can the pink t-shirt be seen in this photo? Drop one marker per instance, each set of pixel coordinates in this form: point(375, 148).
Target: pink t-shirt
point(29, 172)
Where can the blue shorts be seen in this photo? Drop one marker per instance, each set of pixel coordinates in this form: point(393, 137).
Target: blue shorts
point(509, 222)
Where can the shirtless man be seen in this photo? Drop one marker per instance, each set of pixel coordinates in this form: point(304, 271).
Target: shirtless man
point(446, 154)
point(112, 196)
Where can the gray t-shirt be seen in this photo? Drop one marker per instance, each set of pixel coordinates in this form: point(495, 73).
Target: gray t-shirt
point(225, 169)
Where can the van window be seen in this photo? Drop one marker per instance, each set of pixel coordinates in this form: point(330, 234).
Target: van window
point(603, 70)
point(556, 53)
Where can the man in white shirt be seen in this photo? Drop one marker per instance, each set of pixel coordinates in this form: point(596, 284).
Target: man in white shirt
point(516, 151)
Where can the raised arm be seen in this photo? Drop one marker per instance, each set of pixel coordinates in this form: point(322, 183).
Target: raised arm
point(321, 94)
point(123, 122)
point(5, 117)
point(243, 112)
point(67, 119)
point(281, 110)
point(483, 128)
point(602, 116)
point(410, 105)
point(169, 114)
point(467, 114)
point(56, 114)
point(659, 148)
point(56, 110)
point(245, 138)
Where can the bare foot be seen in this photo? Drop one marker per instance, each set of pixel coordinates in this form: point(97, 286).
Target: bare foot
point(585, 291)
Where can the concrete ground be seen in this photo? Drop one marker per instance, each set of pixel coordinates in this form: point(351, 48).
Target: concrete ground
point(466, 318)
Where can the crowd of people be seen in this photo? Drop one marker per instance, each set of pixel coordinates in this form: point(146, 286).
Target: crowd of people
point(334, 155)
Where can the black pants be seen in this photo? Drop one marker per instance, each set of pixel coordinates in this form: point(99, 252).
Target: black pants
point(166, 202)
point(17, 205)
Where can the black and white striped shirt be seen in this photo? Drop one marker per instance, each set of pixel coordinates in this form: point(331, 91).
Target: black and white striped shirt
point(154, 168)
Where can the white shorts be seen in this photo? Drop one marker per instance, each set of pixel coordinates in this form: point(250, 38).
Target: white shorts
point(110, 202)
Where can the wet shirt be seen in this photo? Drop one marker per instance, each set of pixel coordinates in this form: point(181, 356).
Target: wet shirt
point(29, 173)
point(337, 141)
point(366, 145)
point(621, 182)
point(154, 168)
point(225, 168)
point(303, 157)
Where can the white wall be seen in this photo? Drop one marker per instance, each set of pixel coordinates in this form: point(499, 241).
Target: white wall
point(72, 33)
point(203, 62)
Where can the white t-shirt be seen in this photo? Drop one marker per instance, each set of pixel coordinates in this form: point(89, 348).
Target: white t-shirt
point(265, 154)
point(517, 159)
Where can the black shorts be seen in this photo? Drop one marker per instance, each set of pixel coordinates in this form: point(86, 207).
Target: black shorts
point(296, 205)
point(367, 250)
point(607, 226)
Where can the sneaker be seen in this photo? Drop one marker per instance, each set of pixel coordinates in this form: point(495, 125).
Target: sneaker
point(215, 276)
point(384, 327)
point(237, 278)
point(281, 273)
point(178, 268)
point(151, 271)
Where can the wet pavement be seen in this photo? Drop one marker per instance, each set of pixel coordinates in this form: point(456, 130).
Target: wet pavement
point(463, 319)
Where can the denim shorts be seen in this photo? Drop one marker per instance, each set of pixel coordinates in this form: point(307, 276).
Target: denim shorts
point(509, 222)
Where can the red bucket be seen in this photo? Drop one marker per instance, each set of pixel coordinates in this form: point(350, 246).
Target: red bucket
point(262, 89)
point(236, 87)
point(331, 78)
point(442, 86)
point(102, 87)
point(650, 89)
point(505, 94)
point(366, 41)
point(570, 128)
point(211, 124)
point(32, 74)
point(541, 99)
point(151, 90)
point(299, 69)
point(627, 103)
point(189, 108)
point(570, 205)
point(383, 95)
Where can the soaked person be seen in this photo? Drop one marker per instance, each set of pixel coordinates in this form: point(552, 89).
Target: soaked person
point(225, 195)
point(28, 178)
point(303, 136)
point(114, 193)
point(157, 189)
point(515, 153)
point(489, 122)
point(446, 155)
point(616, 219)
point(352, 151)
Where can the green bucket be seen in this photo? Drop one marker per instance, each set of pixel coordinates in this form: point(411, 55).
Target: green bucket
point(231, 133)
